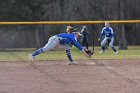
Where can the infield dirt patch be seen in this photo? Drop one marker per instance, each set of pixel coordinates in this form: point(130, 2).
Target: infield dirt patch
point(106, 76)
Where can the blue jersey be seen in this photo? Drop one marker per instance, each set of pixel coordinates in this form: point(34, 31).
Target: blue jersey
point(107, 32)
point(69, 39)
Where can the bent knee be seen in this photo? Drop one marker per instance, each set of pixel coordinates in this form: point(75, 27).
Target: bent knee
point(111, 45)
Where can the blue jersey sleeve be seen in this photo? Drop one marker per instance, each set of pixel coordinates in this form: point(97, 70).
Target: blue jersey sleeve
point(76, 44)
point(69, 39)
point(111, 33)
point(102, 33)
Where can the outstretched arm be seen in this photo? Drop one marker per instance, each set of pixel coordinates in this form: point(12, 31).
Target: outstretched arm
point(85, 53)
point(101, 35)
point(77, 45)
point(82, 49)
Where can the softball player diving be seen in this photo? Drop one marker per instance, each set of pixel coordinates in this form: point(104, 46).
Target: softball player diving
point(107, 31)
point(63, 40)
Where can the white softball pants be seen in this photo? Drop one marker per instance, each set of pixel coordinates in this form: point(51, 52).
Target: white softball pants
point(105, 41)
point(53, 42)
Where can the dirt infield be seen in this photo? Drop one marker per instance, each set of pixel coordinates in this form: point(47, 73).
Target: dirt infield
point(106, 76)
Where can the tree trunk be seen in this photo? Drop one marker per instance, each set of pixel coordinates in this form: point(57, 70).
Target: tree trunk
point(122, 39)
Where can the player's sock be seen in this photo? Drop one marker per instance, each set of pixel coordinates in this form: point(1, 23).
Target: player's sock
point(69, 55)
point(103, 48)
point(114, 49)
point(40, 50)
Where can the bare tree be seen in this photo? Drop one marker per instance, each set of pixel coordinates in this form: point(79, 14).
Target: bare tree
point(122, 39)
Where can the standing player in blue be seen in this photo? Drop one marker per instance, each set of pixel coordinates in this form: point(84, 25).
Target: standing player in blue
point(107, 31)
point(63, 40)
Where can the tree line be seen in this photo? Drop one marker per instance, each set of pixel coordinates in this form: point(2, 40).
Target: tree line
point(67, 10)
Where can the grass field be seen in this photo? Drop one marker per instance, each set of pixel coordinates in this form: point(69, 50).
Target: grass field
point(133, 52)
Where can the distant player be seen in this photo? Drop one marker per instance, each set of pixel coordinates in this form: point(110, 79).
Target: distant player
point(63, 40)
point(84, 37)
point(107, 31)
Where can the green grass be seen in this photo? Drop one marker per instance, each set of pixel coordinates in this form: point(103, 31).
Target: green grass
point(133, 52)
